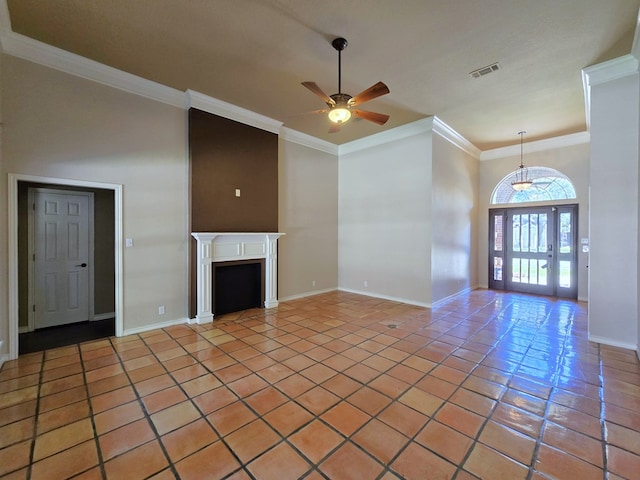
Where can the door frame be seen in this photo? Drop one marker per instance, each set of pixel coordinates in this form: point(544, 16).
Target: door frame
point(32, 248)
point(572, 292)
point(12, 223)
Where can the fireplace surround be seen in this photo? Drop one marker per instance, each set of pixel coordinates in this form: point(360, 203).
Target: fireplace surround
point(217, 247)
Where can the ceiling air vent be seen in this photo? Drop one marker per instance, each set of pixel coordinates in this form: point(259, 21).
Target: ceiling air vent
point(481, 72)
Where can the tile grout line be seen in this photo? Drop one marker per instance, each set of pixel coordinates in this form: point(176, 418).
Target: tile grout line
point(35, 418)
point(145, 412)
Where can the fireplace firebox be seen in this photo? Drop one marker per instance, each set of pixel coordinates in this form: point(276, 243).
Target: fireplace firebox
point(237, 286)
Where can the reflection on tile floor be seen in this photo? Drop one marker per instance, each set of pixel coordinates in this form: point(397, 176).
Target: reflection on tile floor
point(340, 386)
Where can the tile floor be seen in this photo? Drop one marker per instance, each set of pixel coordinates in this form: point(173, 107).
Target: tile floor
point(339, 386)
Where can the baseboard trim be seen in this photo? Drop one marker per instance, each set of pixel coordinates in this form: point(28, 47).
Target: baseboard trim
point(23, 329)
point(307, 294)
point(386, 297)
point(3, 356)
point(444, 300)
point(155, 326)
point(103, 316)
point(613, 343)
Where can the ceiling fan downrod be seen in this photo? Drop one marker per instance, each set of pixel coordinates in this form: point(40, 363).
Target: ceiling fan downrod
point(339, 44)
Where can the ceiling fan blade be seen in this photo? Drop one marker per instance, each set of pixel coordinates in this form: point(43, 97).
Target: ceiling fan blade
point(370, 93)
point(379, 118)
point(318, 91)
point(334, 128)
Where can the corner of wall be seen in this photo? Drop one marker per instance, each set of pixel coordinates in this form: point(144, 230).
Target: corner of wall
point(3, 356)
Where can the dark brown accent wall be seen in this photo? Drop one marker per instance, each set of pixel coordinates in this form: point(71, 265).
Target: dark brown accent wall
point(226, 155)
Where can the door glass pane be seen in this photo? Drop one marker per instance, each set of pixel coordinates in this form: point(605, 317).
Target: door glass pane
point(565, 274)
point(497, 233)
point(533, 271)
point(497, 268)
point(565, 232)
point(524, 227)
point(515, 270)
point(542, 233)
point(524, 271)
point(533, 232)
point(516, 233)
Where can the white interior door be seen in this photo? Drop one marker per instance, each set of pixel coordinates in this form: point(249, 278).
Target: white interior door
point(61, 258)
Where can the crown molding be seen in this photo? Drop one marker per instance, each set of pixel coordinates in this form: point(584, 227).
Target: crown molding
point(606, 72)
point(227, 110)
point(449, 134)
point(537, 146)
point(306, 140)
point(26, 48)
point(610, 70)
point(419, 126)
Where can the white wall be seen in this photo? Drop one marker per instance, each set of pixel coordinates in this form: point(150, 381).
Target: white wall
point(61, 126)
point(308, 214)
point(613, 290)
point(571, 160)
point(384, 233)
point(454, 220)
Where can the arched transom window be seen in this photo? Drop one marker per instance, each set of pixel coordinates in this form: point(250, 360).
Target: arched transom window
point(548, 184)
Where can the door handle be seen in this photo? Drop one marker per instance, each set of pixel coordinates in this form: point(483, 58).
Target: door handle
point(83, 265)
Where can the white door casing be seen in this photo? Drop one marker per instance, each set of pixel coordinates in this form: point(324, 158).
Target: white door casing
point(61, 257)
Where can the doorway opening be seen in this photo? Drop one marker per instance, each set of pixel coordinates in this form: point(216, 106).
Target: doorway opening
point(103, 271)
point(534, 250)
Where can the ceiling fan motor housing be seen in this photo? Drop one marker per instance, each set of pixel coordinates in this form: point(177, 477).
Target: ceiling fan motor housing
point(340, 99)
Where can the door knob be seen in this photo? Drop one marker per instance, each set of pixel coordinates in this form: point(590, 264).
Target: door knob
point(82, 265)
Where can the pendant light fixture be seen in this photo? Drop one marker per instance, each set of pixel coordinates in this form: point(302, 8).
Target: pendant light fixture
point(521, 180)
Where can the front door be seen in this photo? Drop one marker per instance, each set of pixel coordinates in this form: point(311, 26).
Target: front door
point(533, 250)
point(61, 257)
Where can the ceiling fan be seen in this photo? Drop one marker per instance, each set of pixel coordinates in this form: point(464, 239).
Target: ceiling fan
point(341, 104)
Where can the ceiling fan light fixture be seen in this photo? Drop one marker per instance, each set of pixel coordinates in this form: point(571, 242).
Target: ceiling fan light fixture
point(339, 114)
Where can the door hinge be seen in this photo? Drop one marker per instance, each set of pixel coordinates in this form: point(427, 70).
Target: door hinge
point(33, 206)
point(34, 257)
point(34, 307)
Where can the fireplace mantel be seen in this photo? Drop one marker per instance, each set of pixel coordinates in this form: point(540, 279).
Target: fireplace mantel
point(213, 247)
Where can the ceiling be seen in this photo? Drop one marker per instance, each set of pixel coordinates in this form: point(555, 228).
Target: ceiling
point(255, 53)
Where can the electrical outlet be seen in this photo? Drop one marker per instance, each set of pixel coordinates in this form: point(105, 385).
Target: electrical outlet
point(237, 192)
point(161, 310)
point(313, 283)
point(366, 284)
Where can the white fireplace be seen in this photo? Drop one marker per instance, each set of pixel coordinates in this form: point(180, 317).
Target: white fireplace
point(230, 247)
